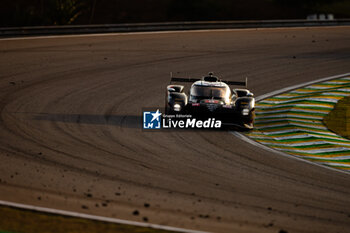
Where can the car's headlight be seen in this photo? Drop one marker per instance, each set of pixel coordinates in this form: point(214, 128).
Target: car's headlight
point(177, 107)
point(245, 112)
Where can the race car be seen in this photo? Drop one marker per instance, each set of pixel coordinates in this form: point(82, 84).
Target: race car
point(212, 97)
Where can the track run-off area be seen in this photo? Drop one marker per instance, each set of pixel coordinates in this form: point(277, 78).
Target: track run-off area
point(71, 138)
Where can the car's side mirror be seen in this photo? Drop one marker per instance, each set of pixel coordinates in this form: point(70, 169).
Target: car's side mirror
point(170, 89)
point(250, 94)
point(234, 94)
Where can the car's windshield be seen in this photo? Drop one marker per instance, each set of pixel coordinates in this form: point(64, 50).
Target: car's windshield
point(209, 92)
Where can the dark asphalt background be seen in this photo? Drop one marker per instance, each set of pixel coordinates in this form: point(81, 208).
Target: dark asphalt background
point(71, 138)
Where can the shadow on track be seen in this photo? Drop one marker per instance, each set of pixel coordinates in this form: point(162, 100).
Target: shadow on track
point(125, 121)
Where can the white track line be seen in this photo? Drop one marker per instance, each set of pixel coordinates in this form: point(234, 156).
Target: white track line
point(277, 92)
point(269, 149)
point(273, 93)
point(95, 217)
point(162, 32)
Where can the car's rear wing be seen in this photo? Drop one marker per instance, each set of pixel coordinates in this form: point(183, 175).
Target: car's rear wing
point(184, 80)
point(192, 80)
point(236, 83)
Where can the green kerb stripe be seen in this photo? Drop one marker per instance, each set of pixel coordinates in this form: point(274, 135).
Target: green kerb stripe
point(300, 113)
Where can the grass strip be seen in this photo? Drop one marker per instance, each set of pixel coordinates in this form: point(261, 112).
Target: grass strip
point(338, 119)
point(15, 220)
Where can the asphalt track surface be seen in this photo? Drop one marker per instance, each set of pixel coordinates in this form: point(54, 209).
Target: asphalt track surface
point(71, 137)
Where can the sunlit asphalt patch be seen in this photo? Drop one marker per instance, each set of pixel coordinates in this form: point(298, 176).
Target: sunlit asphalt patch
point(293, 123)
